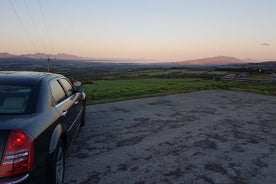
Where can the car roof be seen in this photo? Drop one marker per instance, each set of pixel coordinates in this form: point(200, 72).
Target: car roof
point(25, 77)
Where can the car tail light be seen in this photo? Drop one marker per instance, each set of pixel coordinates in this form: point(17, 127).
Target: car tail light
point(18, 156)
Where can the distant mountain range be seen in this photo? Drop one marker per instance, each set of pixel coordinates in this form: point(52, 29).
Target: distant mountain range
point(43, 56)
point(7, 55)
point(219, 60)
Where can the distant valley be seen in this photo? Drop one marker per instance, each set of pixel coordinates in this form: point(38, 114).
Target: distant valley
point(77, 67)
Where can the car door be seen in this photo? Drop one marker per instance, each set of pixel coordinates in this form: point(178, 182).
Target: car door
point(64, 104)
point(74, 110)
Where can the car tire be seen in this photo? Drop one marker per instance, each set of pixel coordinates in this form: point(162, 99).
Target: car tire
point(57, 165)
point(83, 116)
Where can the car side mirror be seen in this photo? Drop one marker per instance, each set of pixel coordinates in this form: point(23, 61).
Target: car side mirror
point(80, 89)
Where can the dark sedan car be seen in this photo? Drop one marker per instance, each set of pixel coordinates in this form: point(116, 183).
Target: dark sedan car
point(40, 114)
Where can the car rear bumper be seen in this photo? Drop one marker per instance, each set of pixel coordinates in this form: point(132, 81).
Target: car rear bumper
point(15, 180)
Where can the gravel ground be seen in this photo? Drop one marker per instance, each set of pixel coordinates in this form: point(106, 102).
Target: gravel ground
point(211, 136)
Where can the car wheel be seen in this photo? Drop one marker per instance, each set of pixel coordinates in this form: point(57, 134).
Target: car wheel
point(57, 168)
point(83, 117)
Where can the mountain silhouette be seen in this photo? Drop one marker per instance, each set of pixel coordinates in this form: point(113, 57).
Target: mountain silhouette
point(213, 61)
point(42, 56)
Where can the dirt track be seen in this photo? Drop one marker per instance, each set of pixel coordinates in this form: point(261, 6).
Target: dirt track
point(200, 137)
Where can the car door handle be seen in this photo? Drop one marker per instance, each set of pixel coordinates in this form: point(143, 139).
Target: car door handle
point(64, 113)
point(76, 102)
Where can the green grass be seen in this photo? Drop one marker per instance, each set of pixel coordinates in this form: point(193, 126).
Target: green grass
point(221, 73)
point(256, 76)
point(158, 72)
point(120, 89)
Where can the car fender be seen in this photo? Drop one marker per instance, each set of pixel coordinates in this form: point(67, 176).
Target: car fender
point(55, 138)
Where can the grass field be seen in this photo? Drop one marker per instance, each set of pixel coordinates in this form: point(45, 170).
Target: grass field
point(120, 89)
point(172, 72)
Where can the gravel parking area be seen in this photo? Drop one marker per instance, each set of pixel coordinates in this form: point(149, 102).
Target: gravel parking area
point(211, 136)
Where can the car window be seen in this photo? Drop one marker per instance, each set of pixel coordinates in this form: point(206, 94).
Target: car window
point(67, 87)
point(57, 91)
point(14, 99)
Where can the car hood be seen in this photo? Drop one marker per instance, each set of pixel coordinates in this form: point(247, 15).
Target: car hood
point(10, 121)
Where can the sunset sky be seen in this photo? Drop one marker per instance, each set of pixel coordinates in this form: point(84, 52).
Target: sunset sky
point(140, 29)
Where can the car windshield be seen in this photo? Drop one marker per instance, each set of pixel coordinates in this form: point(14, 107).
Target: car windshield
point(14, 99)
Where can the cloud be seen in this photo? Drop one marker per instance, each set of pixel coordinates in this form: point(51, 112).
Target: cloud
point(266, 44)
